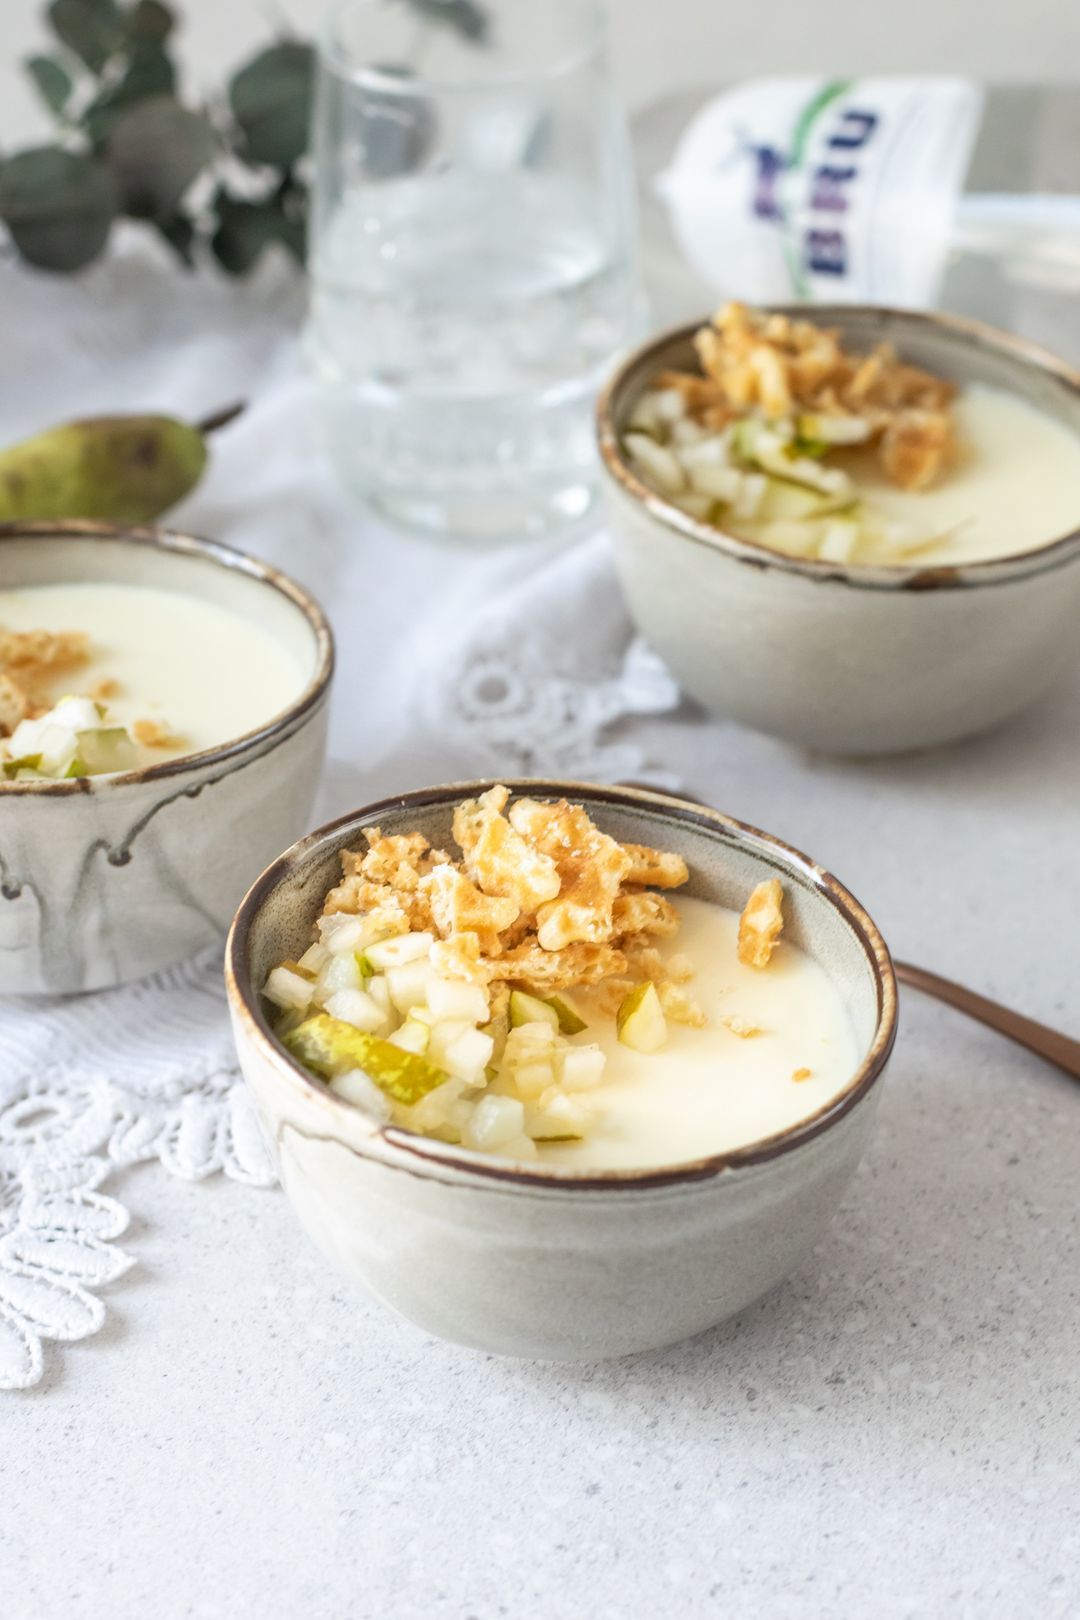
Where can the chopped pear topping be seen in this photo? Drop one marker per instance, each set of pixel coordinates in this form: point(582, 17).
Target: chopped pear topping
point(434, 982)
point(526, 1009)
point(331, 1048)
point(640, 1019)
point(780, 403)
point(570, 1020)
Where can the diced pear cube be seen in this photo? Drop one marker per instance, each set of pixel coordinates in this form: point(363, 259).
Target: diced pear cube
point(341, 933)
point(531, 1079)
point(494, 1121)
point(314, 958)
point(76, 714)
point(455, 998)
point(750, 495)
point(539, 1036)
point(357, 1008)
point(582, 1067)
point(669, 404)
point(379, 991)
point(337, 973)
point(526, 1010)
point(413, 1036)
point(356, 1088)
point(467, 1057)
point(660, 466)
point(723, 483)
point(56, 748)
point(686, 432)
point(839, 541)
point(570, 1020)
point(443, 1036)
point(556, 1118)
point(640, 1020)
point(402, 948)
point(408, 983)
point(519, 1147)
point(714, 450)
point(288, 989)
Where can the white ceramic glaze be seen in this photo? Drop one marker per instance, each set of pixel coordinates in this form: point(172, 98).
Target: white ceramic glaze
point(106, 879)
point(536, 1260)
point(850, 659)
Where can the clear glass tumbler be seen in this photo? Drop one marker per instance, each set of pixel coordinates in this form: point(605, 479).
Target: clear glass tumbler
point(473, 256)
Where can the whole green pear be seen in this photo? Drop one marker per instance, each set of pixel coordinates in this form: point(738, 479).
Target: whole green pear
point(119, 469)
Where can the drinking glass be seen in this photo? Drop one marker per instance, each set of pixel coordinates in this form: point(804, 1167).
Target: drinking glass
point(473, 256)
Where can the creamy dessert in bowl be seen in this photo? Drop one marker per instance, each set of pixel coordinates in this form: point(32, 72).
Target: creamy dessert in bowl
point(856, 528)
point(559, 1070)
point(102, 676)
point(162, 728)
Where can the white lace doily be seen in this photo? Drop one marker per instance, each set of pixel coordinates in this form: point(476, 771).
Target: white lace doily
point(546, 674)
point(88, 1086)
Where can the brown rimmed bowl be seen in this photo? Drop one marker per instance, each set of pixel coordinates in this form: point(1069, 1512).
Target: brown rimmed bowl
point(534, 1259)
point(849, 658)
point(104, 879)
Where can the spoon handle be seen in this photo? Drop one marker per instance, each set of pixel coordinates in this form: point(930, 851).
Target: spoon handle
point(1046, 1043)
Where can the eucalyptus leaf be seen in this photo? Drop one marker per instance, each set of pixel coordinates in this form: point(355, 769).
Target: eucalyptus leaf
point(52, 80)
point(271, 102)
point(467, 18)
point(93, 29)
point(245, 230)
point(149, 23)
point(57, 205)
point(179, 232)
point(150, 72)
point(156, 149)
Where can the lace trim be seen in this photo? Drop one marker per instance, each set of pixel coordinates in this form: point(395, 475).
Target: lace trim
point(85, 1089)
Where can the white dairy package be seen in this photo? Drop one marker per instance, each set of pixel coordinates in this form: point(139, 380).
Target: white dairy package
point(834, 191)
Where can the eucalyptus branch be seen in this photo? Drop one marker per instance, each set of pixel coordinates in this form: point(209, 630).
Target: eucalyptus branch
point(228, 179)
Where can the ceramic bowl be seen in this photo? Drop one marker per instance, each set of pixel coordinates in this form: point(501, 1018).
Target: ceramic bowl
point(533, 1260)
point(104, 879)
point(847, 658)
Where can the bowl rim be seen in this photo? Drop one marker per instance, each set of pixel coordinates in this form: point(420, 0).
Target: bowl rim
point(178, 543)
point(427, 1155)
point(955, 329)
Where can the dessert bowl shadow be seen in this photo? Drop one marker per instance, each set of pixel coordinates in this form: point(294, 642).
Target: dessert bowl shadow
point(535, 1259)
point(107, 878)
point(848, 658)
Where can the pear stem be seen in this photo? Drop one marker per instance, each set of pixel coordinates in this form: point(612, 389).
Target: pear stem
point(222, 418)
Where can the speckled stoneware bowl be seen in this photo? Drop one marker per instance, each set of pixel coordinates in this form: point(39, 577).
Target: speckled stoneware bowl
point(533, 1260)
point(105, 879)
point(849, 658)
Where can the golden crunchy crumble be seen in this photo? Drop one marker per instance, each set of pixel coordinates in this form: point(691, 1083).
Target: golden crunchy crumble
point(154, 734)
point(761, 924)
point(742, 1027)
point(802, 1074)
point(28, 658)
point(540, 898)
point(753, 360)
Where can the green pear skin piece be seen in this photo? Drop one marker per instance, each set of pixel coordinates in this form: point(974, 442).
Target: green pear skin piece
point(328, 1046)
point(118, 469)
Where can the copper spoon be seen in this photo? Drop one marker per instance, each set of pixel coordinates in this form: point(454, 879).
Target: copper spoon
point(1045, 1042)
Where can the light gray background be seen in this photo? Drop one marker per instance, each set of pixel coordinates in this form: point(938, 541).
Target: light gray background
point(660, 45)
point(893, 1434)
